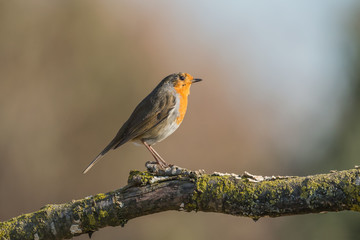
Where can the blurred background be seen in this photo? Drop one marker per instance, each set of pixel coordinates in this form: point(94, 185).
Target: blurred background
point(280, 96)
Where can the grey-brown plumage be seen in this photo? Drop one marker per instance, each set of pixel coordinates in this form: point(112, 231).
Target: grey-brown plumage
point(153, 119)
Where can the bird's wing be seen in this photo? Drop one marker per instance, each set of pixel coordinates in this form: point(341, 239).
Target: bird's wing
point(149, 113)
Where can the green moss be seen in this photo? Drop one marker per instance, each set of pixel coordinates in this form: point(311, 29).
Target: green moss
point(226, 194)
point(210, 189)
point(356, 208)
point(3, 226)
point(103, 214)
point(353, 190)
point(139, 178)
point(91, 220)
point(17, 226)
point(100, 196)
point(241, 197)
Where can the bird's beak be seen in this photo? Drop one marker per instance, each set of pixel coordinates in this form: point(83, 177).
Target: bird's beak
point(195, 80)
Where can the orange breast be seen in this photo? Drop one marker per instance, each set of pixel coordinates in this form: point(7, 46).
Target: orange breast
point(183, 96)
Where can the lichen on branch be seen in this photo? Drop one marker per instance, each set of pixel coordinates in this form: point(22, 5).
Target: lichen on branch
point(157, 190)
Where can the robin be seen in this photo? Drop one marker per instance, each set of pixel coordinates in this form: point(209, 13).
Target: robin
point(156, 117)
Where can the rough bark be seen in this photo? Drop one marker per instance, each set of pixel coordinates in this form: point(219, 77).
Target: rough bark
point(182, 190)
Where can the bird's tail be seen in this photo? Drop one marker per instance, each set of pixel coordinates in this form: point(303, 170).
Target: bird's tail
point(111, 145)
point(93, 162)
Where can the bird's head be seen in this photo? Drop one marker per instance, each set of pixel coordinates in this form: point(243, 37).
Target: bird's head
point(182, 82)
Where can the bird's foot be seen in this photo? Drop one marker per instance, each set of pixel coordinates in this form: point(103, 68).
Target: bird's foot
point(155, 167)
point(170, 170)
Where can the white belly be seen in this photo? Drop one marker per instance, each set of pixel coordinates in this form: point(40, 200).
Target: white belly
point(164, 129)
point(167, 130)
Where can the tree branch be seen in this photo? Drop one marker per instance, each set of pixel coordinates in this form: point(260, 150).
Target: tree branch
point(183, 190)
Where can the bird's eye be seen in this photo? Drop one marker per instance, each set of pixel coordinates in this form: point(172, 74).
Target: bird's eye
point(182, 77)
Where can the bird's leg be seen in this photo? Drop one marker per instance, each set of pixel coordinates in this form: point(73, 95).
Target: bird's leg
point(159, 157)
point(160, 161)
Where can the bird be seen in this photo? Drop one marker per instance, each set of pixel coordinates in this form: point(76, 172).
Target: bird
point(155, 118)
